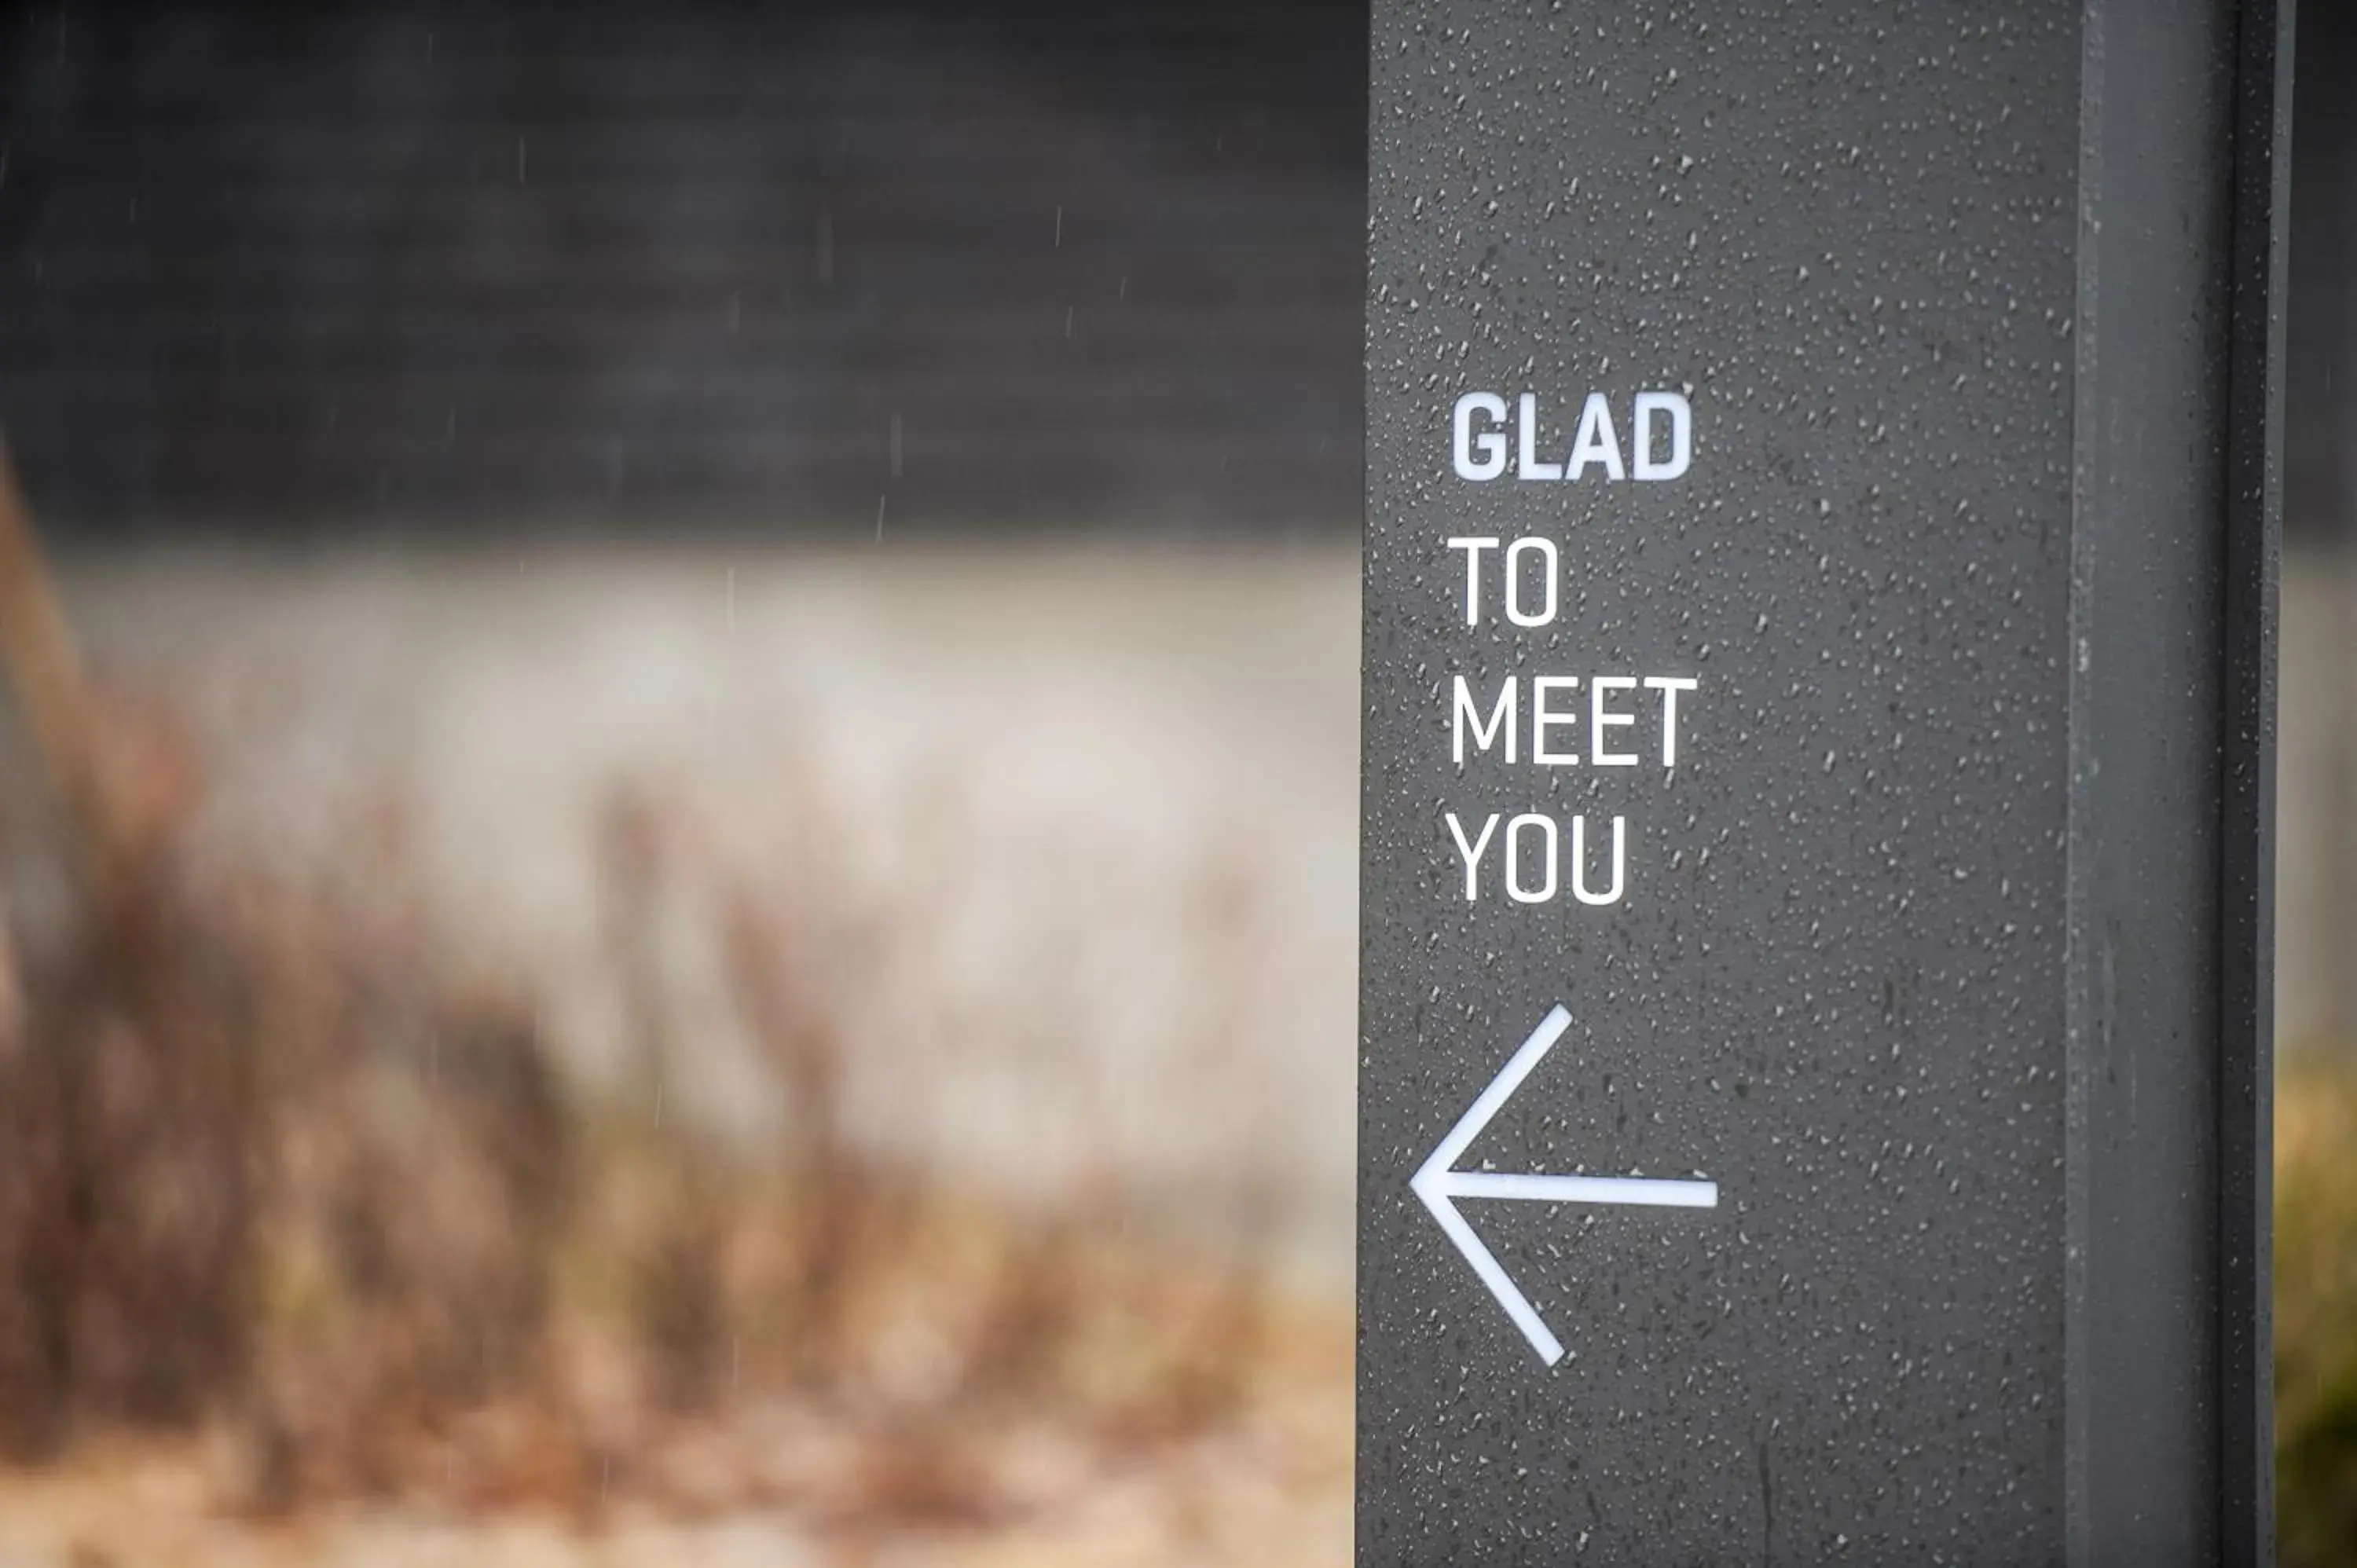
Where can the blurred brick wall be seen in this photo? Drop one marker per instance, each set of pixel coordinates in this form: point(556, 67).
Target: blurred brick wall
point(1095, 264)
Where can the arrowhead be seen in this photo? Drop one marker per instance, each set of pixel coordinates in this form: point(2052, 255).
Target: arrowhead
point(1439, 1184)
point(1431, 1184)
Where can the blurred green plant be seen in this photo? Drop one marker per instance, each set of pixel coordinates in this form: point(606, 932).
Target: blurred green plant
point(2316, 1309)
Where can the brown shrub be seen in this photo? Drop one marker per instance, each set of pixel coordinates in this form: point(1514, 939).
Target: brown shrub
point(2316, 1309)
point(268, 1163)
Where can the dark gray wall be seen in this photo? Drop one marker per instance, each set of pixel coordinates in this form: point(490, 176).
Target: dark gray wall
point(641, 264)
point(2322, 368)
point(257, 263)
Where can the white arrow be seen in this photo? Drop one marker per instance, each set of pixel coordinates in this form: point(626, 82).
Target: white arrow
point(1438, 1186)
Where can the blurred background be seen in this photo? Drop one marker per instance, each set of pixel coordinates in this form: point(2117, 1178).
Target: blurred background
point(682, 883)
point(678, 829)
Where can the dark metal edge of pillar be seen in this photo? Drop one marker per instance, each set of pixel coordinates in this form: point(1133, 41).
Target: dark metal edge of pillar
point(2175, 477)
point(2263, 106)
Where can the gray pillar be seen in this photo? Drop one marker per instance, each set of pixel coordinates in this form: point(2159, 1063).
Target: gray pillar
point(1818, 748)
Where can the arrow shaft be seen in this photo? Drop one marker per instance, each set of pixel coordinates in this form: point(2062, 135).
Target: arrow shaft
point(1641, 1190)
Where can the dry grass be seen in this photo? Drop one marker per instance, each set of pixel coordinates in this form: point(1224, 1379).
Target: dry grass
point(2315, 1310)
point(280, 1181)
point(296, 1194)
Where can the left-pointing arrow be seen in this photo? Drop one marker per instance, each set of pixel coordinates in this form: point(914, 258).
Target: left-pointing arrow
point(1439, 1185)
